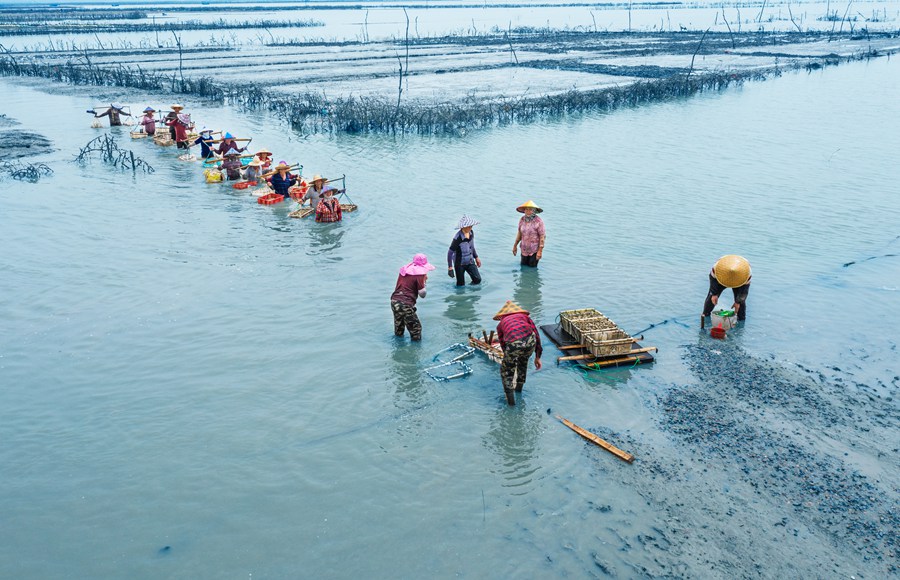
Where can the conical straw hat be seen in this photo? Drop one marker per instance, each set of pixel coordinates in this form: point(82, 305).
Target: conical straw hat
point(529, 204)
point(509, 308)
point(732, 271)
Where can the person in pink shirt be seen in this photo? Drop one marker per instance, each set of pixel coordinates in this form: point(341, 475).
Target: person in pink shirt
point(410, 287)
point(531, 234)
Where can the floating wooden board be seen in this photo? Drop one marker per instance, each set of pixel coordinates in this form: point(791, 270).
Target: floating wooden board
point(623, 455)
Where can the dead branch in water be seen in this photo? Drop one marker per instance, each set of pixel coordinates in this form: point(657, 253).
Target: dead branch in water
point(110, 153)
point(729, 29)
point(25, 171)
point(699, 44)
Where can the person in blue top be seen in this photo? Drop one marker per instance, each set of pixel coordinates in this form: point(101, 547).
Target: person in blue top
point(462, 256)
point(205, 141)
point(283, 179)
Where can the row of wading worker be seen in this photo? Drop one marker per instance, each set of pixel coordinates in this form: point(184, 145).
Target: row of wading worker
point(518, 335)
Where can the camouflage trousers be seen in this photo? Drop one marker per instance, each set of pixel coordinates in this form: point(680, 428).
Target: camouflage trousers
point(405, 317)
point(514, 368)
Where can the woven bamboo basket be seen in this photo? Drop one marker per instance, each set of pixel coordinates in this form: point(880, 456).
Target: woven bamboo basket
point(302, 212)
point(349, 207)
point(590, 325)
point(163, 139)
point(261, 191)
point(607, 343)
point(568, 317)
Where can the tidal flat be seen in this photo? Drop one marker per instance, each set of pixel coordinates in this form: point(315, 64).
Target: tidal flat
point(194, 385)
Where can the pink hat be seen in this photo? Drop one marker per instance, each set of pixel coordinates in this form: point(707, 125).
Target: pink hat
point(417, 267)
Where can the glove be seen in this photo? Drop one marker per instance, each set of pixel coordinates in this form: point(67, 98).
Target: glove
point(450, 272)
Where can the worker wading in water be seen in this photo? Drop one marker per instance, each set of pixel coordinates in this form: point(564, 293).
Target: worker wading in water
point(519, 338)
point(410, 286)
point(733, 272)
point(462, 256)
point(531, 234)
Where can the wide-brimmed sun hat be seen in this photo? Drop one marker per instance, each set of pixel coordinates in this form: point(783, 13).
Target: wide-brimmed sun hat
point(263, 152)
point(529, 205)
point(233, 153)
point(205, 130)
point(149, 110)
point(318, 177)
point(282, 165)
point(418, 266)
point(184, 118)
point(466, 222)
point(176, 106)
point(255, 163)
point(509, 308)
point(732, 271)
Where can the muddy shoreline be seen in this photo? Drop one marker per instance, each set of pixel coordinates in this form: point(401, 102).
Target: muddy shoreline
point(755, 457)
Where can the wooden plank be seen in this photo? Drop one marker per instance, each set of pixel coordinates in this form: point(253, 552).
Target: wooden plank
point(623, 455)
point(611, 361)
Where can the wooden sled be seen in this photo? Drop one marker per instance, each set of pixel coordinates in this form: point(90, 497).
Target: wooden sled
point(488, 345)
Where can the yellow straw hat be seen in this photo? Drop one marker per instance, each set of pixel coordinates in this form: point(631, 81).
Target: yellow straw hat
point(529, 204)
point(509, 308)
point(732, 271)
point(176, 106)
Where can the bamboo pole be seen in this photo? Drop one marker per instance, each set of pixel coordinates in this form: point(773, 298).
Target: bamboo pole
point(626, 358)
point(623, 455)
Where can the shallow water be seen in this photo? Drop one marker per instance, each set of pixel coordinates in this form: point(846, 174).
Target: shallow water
point(198, 386)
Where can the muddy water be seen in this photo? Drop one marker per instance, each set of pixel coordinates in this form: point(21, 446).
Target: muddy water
point(194, 385)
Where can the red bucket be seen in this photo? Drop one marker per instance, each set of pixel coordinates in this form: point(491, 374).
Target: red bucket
point(717, 332)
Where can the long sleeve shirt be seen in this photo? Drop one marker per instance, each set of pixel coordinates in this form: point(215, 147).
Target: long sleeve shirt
point(226, 146)
point(282, 184)
point(517, 326)
point(205, 146)
point(462, 250)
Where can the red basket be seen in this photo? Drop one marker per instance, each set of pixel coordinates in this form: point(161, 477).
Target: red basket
point(717, 332)
point(270, 199)
point(243, 184)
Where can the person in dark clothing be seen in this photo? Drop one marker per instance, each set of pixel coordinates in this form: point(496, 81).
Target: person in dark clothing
point(282, 180)
point(229, 143)
point(205, 141)
point(232, 165)
point(733, 272)
point(410, 286)
point(462, 256)
point(113, 112)
point(519, 338)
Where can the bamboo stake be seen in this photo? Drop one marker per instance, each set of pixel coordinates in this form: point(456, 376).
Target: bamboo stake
point(602, 363)
point(491, 338)
point(623, 455)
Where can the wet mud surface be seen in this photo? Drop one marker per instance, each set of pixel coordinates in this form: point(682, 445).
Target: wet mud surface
point(18, 143)
point(763, 471)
